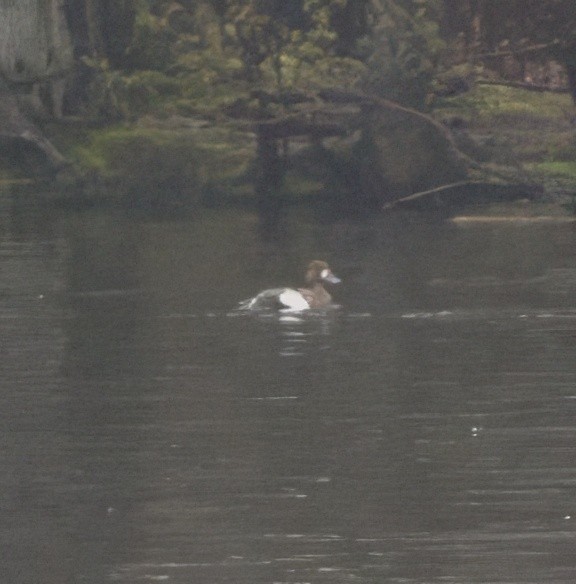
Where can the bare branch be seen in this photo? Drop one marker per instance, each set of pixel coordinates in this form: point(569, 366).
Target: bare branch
point(427, 193)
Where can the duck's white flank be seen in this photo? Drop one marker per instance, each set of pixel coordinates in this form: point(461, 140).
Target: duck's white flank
point(293, 300)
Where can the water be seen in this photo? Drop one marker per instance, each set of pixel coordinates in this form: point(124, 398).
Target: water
point(422, 433)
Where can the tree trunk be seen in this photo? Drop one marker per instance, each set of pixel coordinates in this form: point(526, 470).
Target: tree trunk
point(34, 43)
point(95, 41)
point(35, 50)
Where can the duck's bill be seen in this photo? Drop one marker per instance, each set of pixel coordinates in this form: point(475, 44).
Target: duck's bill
point(332, 279)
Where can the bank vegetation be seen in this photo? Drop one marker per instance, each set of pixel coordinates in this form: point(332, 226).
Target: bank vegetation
point(358, 104)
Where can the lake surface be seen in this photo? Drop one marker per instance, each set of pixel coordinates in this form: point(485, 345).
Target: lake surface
point(424, 432)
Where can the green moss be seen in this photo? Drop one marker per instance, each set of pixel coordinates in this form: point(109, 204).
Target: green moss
point(561, 169)
point(298, 185)
point(146, 87)
point(487, 102)
point(171, 163)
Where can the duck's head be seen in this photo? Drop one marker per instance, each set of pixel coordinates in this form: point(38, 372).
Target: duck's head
point(319, 271)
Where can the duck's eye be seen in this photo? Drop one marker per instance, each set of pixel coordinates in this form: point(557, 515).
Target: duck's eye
point(324, 273)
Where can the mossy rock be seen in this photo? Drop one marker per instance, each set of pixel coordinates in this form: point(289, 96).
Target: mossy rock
point(172, 163)
point(402, 153)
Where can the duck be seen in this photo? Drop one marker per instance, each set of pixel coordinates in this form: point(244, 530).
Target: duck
point(313, 297)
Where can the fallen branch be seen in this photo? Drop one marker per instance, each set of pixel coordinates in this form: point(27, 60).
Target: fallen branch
point(504, 191)
point(361, 98)
point(421, 194)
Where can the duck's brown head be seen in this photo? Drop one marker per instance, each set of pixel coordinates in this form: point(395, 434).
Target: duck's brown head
point(319, 271)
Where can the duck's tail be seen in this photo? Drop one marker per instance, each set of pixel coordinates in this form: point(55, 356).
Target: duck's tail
point(246, 304)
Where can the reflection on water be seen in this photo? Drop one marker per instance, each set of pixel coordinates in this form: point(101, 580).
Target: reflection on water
point(423, 432)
